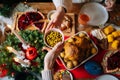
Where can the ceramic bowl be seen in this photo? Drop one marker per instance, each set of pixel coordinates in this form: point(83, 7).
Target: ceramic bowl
point(53, 36)
point(49, 15)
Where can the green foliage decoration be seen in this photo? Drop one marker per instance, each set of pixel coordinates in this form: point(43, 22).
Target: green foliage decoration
point(6, 10)
point(34, 38)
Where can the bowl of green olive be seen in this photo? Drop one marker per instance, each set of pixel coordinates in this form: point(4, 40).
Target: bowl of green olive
point(53, 36)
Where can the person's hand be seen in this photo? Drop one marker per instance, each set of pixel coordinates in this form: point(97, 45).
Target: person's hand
point(109, 4)
point(52, 55)
point(56, 19)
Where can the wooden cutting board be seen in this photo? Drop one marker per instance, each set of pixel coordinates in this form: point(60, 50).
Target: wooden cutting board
point(69, 31)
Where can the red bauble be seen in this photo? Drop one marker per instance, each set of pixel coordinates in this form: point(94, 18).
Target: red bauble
point(3, 72)
point(31, 53)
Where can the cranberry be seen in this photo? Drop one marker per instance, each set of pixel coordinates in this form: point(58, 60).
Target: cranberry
point(23, 22)
point(34, 16)
point(113, 61)
point(39, 25)
point(29, 18)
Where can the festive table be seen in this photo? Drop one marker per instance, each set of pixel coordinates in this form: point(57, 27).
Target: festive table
point(80, 73)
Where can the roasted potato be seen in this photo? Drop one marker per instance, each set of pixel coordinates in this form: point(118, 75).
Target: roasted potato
point(93, 50)
point(69, 64)
point(75, 62)
point(62, 54)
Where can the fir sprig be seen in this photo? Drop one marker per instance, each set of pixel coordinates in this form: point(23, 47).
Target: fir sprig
point(6, 10)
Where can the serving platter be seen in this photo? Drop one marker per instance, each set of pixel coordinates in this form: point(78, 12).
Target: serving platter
point(107, 77)
point(112, 33)
point(108, 36)
point(83, 56)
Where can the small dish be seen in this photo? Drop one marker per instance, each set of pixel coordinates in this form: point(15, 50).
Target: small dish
point(6, 78)
point(83, 19)
point(63, 74)
point(111, 62)
point(107, 77)
point(53, 36)
point(93, 68)
point(49, 15)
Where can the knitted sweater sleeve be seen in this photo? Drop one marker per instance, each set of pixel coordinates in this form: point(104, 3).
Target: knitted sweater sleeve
point(67, 4)
point(47, 75)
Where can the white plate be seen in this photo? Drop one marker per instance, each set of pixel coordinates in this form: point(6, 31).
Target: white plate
point(6, 78)
point(107, 77)
point(97, 13)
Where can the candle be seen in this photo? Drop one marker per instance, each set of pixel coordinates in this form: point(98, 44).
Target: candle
point(12, 50)
point(17, 35)
point(21, 61)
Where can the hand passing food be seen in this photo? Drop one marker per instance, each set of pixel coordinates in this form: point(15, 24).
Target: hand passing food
point(109, 4)
point(56, 18)
point(52, 55)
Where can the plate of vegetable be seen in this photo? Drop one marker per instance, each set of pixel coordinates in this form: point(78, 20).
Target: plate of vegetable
point(63, 75)
point(53, 36)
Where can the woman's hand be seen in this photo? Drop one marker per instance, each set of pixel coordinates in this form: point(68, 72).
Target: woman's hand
point(109, 4)
point(51, 56)
point(56, 19)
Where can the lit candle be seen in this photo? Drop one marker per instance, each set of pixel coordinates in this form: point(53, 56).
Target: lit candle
point(21, 61)
point(17, 35)
point(12, 50)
